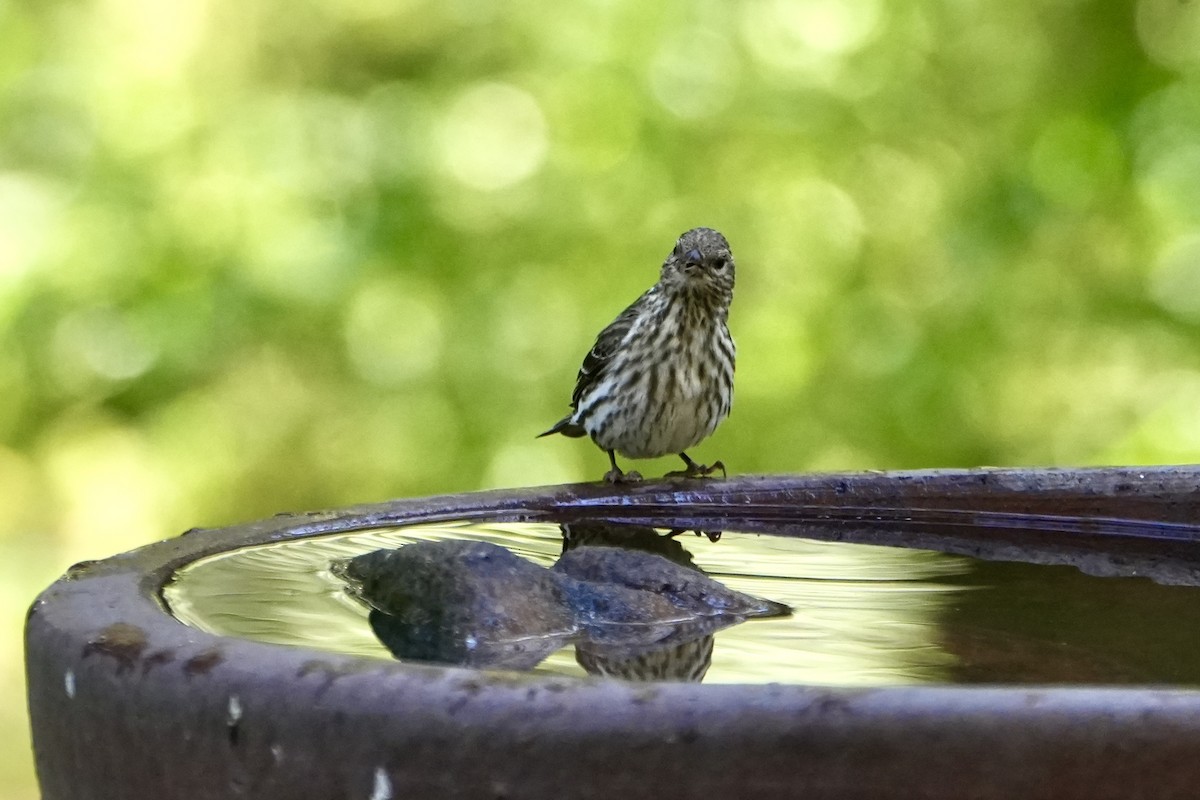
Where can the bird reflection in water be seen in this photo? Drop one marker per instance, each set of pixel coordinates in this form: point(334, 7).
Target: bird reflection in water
point(631, 600)
point(687, 654)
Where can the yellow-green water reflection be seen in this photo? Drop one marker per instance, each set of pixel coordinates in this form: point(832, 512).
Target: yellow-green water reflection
point(863, 615)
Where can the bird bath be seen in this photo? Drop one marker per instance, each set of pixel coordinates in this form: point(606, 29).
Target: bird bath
point(1005, 642)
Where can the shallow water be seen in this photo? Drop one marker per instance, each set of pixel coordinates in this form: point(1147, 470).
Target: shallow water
point(862, 616)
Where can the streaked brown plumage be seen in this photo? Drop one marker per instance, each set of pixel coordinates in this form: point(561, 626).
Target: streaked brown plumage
point(659, 378)
point(687, 653)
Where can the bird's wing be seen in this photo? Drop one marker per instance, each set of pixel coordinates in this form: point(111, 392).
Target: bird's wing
point(607, 344)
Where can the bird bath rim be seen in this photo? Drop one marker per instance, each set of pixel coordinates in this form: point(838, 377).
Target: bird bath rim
point(129, 701)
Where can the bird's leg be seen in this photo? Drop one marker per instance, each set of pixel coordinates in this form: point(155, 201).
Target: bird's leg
point(615, 475)
point(695, 470)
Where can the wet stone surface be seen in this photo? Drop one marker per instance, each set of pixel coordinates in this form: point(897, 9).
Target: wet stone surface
point(630, 613)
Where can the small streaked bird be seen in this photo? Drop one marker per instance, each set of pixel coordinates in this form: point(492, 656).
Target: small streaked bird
point(688, 651)
point(660, 377)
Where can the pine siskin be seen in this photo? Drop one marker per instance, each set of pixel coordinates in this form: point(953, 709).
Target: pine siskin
point(686, 657)
point(660, 377)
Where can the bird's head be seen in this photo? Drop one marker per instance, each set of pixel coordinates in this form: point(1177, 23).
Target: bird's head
point(701, 263)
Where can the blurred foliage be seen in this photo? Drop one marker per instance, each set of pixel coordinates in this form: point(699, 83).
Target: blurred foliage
point(266, 256)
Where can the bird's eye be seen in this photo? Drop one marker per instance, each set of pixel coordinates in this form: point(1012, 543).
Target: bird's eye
point(721, 262)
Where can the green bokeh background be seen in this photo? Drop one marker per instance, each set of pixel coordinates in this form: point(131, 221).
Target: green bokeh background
point(264, 256)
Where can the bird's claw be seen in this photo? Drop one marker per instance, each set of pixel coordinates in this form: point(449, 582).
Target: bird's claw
point(616, 476)
point(713, 536)
point(698, 471)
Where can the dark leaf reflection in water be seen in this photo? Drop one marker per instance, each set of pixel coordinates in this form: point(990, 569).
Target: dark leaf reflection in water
point(862, 616)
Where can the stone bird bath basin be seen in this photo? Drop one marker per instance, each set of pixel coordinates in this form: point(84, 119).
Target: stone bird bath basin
point(127, 702)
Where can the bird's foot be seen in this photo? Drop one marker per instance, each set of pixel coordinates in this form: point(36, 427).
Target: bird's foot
point(713, 536)
point(616, 476)
point(695, 470)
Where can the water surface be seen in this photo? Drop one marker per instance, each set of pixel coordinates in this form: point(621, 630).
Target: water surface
point(863, 615)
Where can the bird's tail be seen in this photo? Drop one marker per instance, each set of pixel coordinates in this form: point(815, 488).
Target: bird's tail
point(566, 428)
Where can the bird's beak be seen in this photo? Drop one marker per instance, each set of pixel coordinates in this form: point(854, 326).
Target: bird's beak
point(691, 258)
